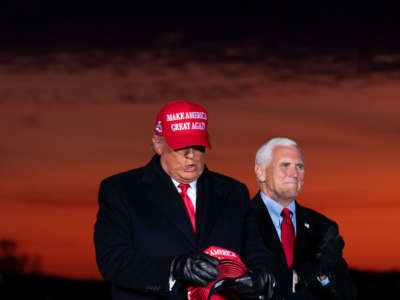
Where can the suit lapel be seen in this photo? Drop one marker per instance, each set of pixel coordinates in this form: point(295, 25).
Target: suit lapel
point(302, 231)
point(162, 192)
point(267, 229)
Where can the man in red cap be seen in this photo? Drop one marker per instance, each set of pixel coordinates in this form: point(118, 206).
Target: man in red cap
point(155, 222)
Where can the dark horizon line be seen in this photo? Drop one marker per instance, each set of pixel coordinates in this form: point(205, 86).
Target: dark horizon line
point(370, 272)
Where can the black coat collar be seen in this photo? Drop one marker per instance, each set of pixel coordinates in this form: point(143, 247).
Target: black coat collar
point(211, 198)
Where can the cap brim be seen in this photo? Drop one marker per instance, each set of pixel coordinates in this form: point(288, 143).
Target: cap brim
point(179, 141)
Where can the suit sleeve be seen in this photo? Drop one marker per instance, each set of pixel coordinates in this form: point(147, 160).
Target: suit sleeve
point(116, 257)
point(341, 285)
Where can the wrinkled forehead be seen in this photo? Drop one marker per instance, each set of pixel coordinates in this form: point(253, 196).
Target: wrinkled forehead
point(292, 153)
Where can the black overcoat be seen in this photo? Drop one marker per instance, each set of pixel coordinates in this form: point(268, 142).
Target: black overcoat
point(142, 224)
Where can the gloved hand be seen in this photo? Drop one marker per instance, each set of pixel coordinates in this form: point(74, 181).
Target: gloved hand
point(195, 269)
point(324, 260)
point(257, 284)
point(330, 251)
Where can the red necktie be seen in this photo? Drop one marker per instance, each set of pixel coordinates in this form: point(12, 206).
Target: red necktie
point(188, 204)
point(287, 236)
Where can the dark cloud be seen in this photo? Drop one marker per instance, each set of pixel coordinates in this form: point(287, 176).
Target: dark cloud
point(45, 199)
point(329, 69)
point(289, 42)
point(378, 125)
point(31, 120)
point(178, 89)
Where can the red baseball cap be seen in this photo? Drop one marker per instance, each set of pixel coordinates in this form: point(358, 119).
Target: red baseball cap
point(183, 124)
point(230, 266)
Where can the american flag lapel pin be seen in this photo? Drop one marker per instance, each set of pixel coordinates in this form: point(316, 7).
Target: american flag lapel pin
point(306, 225)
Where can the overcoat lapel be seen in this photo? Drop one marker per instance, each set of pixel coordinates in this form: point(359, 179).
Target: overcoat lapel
point(212, 197)
point(162, 192)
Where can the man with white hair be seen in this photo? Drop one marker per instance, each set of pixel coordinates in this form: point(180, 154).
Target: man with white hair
point(307, 245)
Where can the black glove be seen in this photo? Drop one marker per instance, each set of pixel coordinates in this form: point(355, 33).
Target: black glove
point(257, 284)
point(330, 251)
point(324, 260)
point(196, 269)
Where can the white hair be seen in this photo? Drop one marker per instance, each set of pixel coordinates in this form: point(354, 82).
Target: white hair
point(264, 154)
point(160, 139)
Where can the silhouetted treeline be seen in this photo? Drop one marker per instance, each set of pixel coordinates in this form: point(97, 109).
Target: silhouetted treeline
point(20, 279)
point(41, 287)
point(371, 285)
point(13, 262)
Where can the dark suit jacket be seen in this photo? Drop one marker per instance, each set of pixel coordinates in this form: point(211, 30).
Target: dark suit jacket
point(310, 228)
point(142, 224)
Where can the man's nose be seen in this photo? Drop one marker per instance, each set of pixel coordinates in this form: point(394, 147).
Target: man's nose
point(189, 153)
point(293, 172)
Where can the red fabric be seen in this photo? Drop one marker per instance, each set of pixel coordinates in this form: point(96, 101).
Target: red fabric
point(288, 236)
point(230, 266)
point(188, 204)
point(183, 124)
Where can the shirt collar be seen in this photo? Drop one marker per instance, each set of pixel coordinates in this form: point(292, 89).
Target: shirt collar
point(193, 184)
point(275, 208)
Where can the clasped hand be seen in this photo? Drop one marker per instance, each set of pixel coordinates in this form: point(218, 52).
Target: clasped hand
point(257, 284)
point(330, 251)
point(196, 269)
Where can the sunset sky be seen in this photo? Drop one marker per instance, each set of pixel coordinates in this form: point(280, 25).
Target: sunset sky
point(78, 103)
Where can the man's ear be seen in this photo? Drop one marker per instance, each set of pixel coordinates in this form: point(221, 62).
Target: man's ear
point(260, 172)
point(157, 144)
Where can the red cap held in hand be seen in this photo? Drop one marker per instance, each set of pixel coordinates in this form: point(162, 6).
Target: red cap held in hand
point(230, 266)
